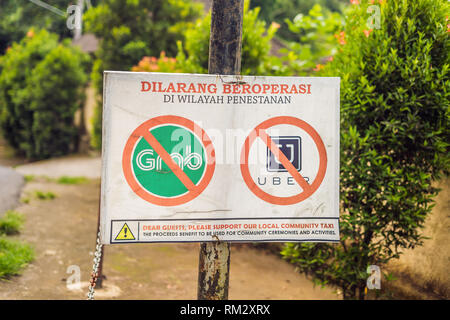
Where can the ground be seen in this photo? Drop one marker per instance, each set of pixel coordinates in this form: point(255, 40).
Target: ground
point(63, 232)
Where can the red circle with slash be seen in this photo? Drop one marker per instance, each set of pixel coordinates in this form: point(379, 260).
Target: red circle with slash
point(260, 131)
point(144, 131)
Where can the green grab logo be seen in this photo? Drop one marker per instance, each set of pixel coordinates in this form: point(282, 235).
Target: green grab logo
point(185, 149)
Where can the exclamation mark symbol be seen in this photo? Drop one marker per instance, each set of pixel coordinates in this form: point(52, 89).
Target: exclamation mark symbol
point(125, 233)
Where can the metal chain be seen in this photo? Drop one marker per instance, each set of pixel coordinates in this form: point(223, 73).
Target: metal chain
point(94, 276)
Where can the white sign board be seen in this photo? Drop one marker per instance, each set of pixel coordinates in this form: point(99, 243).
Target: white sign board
point(195, 158)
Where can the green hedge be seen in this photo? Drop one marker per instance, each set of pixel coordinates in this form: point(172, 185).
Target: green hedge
point(129, 30)
point(395, 134)
point(41, 87)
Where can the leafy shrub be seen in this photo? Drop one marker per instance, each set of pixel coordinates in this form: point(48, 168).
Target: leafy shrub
point(193, 54)
point(316, 40)
point(394, 139)
point(17, 17)
point(41, 87)
point(130, 30)
point(281, 10)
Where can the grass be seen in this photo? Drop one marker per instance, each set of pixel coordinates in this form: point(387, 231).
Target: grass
point(38, 194)
point(13, 257)
point(61, 180)
point(45, 195)
point(71, 180)
point(29, 177)
point(11, 223)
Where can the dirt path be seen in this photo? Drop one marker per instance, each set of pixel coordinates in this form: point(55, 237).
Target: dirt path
point(63, 230)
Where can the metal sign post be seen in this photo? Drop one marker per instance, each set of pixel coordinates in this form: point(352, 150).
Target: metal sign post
point(225, 46)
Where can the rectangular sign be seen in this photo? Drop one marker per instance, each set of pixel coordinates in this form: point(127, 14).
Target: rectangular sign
point(196, 158)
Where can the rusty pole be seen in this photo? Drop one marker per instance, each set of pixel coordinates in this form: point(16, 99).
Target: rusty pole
point(225, 45)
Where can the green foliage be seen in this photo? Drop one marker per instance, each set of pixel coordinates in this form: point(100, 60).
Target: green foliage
point(193, 55)
point(13, 257)
point(71, 180)
point(281, 10)
point(315, 39)
point(45, 195)
point(17, 17)
point(130, 30)
point(29, 177)
point(394, 139)
point(41, 87)
point(11, 223)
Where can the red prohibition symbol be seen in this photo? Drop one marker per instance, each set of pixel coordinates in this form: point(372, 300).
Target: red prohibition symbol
point(144, 131)
point(260, 131)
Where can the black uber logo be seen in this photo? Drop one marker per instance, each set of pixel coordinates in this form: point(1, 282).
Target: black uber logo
point(291, 148)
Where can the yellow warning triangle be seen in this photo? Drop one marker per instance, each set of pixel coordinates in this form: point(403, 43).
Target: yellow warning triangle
point(125, 233)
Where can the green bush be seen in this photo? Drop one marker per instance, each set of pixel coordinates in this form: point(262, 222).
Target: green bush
point(315, 40)
point(13, 257)
point(17, 17)
point(281, 10)
point(395, 134)
point(41, 87)
point(193, 54)
point(129, 30)
point(41, 195)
